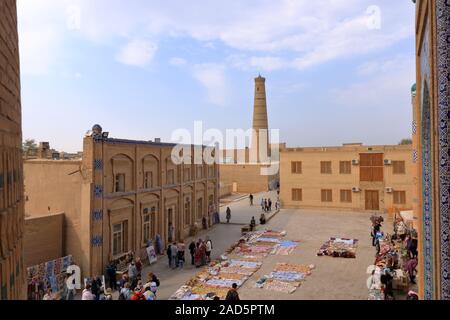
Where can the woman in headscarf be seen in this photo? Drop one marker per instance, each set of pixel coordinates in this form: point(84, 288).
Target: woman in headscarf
point(203, 253)
point(198, 255)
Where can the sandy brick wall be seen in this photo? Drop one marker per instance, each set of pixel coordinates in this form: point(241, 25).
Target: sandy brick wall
point(43, 239)
point(11, 185)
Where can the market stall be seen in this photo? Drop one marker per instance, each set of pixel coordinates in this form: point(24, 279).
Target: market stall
point(47, 275)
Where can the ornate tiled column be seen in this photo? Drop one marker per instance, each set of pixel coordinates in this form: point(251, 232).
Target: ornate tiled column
point(443, 99)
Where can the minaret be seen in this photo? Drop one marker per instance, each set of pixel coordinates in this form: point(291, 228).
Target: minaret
point(259, 116)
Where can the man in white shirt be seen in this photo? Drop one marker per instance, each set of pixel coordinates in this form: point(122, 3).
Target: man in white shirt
point(87, 294)
point(208, 249)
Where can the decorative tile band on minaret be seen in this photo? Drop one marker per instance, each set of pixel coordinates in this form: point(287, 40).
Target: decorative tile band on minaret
point(260, 120)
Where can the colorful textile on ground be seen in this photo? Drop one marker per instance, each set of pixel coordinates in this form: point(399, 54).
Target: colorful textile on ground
point(285, 278)
point(279, 286)
point(339, 247)
point(246, 258)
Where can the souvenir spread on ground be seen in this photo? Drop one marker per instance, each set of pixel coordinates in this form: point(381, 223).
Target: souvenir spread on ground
point(238, 264)
point(285, 278)
point(339, 247)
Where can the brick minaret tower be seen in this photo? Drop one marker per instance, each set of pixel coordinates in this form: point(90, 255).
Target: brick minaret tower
point(259, 117)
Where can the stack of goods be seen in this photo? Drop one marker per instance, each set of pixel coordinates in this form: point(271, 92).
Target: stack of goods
point(46, 275)
point(285, 278)
point(339, 247)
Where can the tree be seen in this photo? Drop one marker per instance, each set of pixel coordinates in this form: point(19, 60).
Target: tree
point(29, 145)
point(405, 141)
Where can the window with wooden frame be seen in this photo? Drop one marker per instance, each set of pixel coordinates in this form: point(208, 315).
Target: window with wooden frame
point(327, 195)
point(296, 167)
point(148, 180)
point(147, 226)
point(187, 211)
point(345, 167)
point(346, 196)
point(297, 195)
point(399, 197)
point(120, 182)
point(371, 167)
point(325, 167)
point(398, 167)
point(119, 238)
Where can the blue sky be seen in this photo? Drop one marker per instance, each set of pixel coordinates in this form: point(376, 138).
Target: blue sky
point(337, 71)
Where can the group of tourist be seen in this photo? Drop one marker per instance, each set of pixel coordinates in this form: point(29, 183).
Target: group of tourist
point(200, 252)
point(266, 205)
point(175, 254)
point(141, 291)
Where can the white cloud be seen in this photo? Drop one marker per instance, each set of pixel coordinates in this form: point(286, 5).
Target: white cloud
point(385, 84)
point(212, 77)
point(176, 61)
point(264, 63)
point(137, 52)
point(272, 34)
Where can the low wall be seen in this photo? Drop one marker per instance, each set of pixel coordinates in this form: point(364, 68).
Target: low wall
point(247, 178)
point(43, 239)
point(225, 190)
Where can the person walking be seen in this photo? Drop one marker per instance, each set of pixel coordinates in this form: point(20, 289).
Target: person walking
point(266, 205)
point(232, 294)
point(251, 199)
point(138, 264)
point(169, 254)
point(252, 224)
point(180, 257)
point(270, 204)
point(198, 255)
point(132, 274)
point(410, 267)
point(111, 272)
point(228, 214)
point(192, 251)
point(208, 249)
point(174, 255)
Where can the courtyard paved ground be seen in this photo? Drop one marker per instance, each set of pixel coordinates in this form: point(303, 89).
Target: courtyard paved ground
point(333, 278)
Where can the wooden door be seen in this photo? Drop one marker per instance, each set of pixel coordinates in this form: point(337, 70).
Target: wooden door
point(372, 200)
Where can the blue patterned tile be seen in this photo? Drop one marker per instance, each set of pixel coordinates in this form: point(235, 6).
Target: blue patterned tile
point(98, 191)
point(97, 241)
point(98, 164)
point(443, 75)
point(97, 215)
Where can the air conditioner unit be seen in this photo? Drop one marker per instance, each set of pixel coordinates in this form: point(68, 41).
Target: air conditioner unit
point(387, 162)
point(389, 190)
point(355, 162)
point(356, 189)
